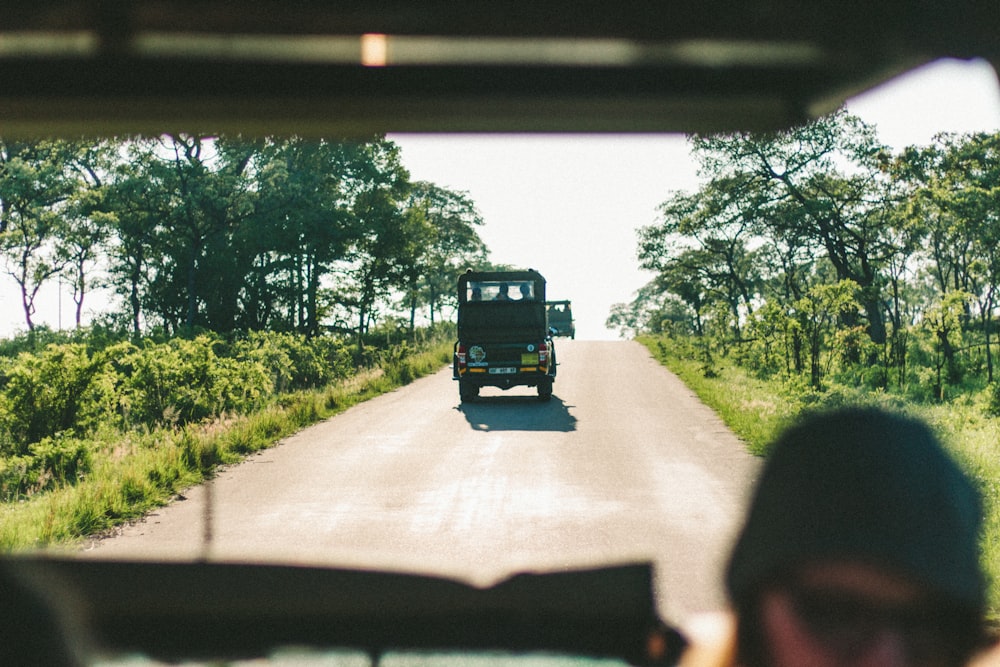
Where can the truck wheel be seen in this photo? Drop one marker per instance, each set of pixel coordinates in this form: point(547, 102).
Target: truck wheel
point(467, 391)
point(545, 389)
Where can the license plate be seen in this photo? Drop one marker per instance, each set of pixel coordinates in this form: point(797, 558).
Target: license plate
point(529, 359)
point(502, 371)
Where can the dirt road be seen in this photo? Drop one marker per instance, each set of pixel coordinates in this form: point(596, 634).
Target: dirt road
point(623, 464)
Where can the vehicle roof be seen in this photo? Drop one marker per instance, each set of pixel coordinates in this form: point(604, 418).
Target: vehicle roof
point(495, 276)
point(295, 66)
point(182, 611)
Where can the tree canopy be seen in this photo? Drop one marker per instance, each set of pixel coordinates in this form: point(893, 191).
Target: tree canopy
point(818, 250)
point(228, 233)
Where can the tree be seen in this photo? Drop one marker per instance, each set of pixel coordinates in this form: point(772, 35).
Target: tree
point(385, 243)
point(36, 185)
point(303, 225)
point(824, 183)
point(226, 233)
point(816, 313)
point(452, 244)
point(944, 322)
point(955, 204)
point(135, 230)
point(88, 220)
point(194, 196)
point(707, 234)
point(653, 310)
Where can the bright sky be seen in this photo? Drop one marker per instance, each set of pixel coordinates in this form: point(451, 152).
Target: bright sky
point(569, 205)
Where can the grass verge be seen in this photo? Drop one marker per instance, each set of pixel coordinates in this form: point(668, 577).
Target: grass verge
point(134, 473)
point(756, 410)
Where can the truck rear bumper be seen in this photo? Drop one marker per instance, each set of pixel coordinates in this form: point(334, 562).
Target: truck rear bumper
point(481, 377)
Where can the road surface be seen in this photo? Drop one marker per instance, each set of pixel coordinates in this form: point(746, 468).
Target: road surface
point(622, 465)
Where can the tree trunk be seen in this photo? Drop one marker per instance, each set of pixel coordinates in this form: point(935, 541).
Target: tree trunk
point(192, 296)
point(987, 323)
point(876, 321)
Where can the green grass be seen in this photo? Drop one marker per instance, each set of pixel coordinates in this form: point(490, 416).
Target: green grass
point(134, 473)
point(756, 410)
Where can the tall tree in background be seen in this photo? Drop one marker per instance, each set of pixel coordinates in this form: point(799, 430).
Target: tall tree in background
point(832, 172)
point(135, 231)
point(233, 234)
point(386, 242)
point(955, 206)
point(36, 184)
point(708, 235)
point(452, 244)
point(194, 194)
point(88, 219)
point(304, 224)
point(175, 169)
point(227, 200)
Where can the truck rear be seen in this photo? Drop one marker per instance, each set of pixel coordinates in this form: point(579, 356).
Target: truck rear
point(560, 318)
point(503, 337)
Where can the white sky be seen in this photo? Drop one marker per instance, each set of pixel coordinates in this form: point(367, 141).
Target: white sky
point(569, 205)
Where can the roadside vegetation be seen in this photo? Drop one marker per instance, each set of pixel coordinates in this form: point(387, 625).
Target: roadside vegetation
point(91, 437)
point(247, 287)
point(757, 409)
point(815, 268)
point(183, 233)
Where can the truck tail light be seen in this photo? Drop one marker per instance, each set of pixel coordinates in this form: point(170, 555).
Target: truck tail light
point(461, 358)
point(543, 355)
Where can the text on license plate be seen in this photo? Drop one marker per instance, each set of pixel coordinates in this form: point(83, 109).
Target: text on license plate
point(502, 371)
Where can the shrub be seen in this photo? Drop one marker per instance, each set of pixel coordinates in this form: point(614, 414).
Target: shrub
point(48, 464)
point(184, 381)
point(47, 393)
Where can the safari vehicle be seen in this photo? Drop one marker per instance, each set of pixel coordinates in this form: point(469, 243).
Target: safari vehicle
point(112, 67)
point(560, 314)
point(503, 338)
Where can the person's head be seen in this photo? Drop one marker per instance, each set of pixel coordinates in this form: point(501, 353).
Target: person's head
point(477, 293)
point(525, 290)
point(861, 546)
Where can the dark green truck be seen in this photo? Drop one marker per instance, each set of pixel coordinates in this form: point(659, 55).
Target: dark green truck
point(560, 317)
point(503, 334)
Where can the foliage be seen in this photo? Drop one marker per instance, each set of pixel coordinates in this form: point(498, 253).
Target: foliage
point(69, 393)
point(818, 269)
point(46, 394)
point(79, 482)
point(242, 266)
point(47, 464)
point(874, 281)
point(817, 254)
point(758, 409)
point(230, 234)
point(47, 188)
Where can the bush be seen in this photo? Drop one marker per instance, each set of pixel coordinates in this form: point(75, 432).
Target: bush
point(48, 464)
point(295, 362)
point(115, 416)
point(184, 381)
point(46, 394)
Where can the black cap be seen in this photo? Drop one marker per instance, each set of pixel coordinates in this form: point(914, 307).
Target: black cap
point(863, 485)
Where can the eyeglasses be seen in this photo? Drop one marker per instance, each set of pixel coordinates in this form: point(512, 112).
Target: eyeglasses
point(848, 624)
